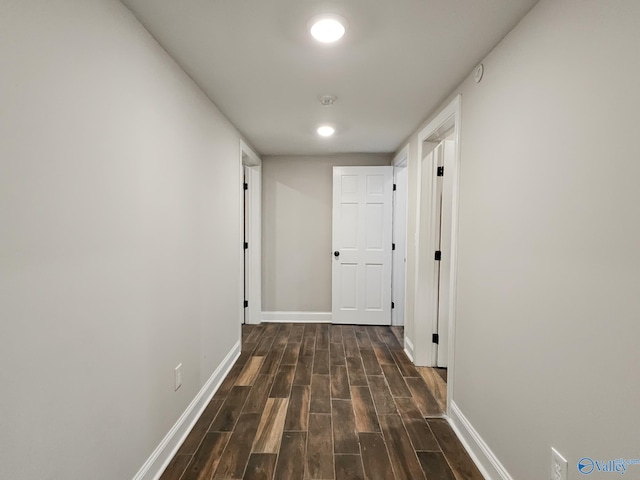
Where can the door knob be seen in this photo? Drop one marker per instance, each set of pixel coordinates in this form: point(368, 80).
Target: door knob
point(336, 253)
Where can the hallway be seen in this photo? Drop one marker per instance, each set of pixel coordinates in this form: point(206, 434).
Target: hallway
point(319, 401)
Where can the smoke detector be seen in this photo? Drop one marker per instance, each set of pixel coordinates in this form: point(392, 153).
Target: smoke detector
point(478, 72)
point(327, 100)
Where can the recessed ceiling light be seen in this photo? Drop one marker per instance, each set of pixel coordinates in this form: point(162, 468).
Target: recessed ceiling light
point(328, 28)
point(326, 131)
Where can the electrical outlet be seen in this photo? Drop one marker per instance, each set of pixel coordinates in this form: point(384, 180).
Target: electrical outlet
point(559, 466)
point(178, 378)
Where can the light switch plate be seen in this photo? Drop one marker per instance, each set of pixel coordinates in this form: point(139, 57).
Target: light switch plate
point(559, 466)
point(178, 377)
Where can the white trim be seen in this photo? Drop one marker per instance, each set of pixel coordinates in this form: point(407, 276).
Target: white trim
point(252, 159)
point(240, 249)
point(253, 271)
point(401, 160)
point(164, 452)
point(408, 348)
point(425, 301)
point(254, 238)
point(456, 105)
point(296, 317)
point(478, 450)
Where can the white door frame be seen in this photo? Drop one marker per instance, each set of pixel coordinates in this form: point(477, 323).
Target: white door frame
point(424, 353)
point(399, 269)
point(248, 158)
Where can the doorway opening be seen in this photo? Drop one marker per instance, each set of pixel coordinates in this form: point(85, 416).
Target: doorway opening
point(436, 241)
point(252, 234)
point(399, 257)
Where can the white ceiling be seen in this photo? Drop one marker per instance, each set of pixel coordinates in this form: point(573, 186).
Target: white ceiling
point(397, 62)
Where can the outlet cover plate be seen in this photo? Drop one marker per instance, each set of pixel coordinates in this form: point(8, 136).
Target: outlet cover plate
point(559, 466)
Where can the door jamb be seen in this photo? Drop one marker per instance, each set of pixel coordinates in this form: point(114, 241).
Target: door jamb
point(423, 328)
point(401, 161)
point(249, 159)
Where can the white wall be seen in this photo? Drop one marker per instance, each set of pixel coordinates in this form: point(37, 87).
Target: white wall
point(296, 229)
point(119, 252)
point(549, 241)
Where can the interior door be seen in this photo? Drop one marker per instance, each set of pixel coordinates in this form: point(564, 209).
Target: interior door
point(439, 346)
point(247, 270)
point(362, 235)
point(446, 151)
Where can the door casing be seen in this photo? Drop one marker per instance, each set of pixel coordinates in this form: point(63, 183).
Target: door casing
point(251, 168)
point(400, 221)
point(448, 120)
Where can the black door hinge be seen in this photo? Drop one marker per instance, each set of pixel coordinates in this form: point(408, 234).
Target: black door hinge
point(435, 338)
point(246, 186)
point(246, 303)
point(440, 171)
point(393, 305)
point(394, 187)
point(246, 245)
point(438, 255)
point(393, 246)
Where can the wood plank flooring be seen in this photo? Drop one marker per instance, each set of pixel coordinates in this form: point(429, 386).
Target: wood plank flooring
point(324, 402)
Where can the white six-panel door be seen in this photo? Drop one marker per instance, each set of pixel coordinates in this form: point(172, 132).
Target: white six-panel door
point(362, 228)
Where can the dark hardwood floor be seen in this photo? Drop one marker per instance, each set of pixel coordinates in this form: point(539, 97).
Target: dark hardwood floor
point(319, 401)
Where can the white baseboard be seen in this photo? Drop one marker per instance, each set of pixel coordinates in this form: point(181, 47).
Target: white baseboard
point(162, 455)
point(408, 347)
point(478, 450)
point(297, 317)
